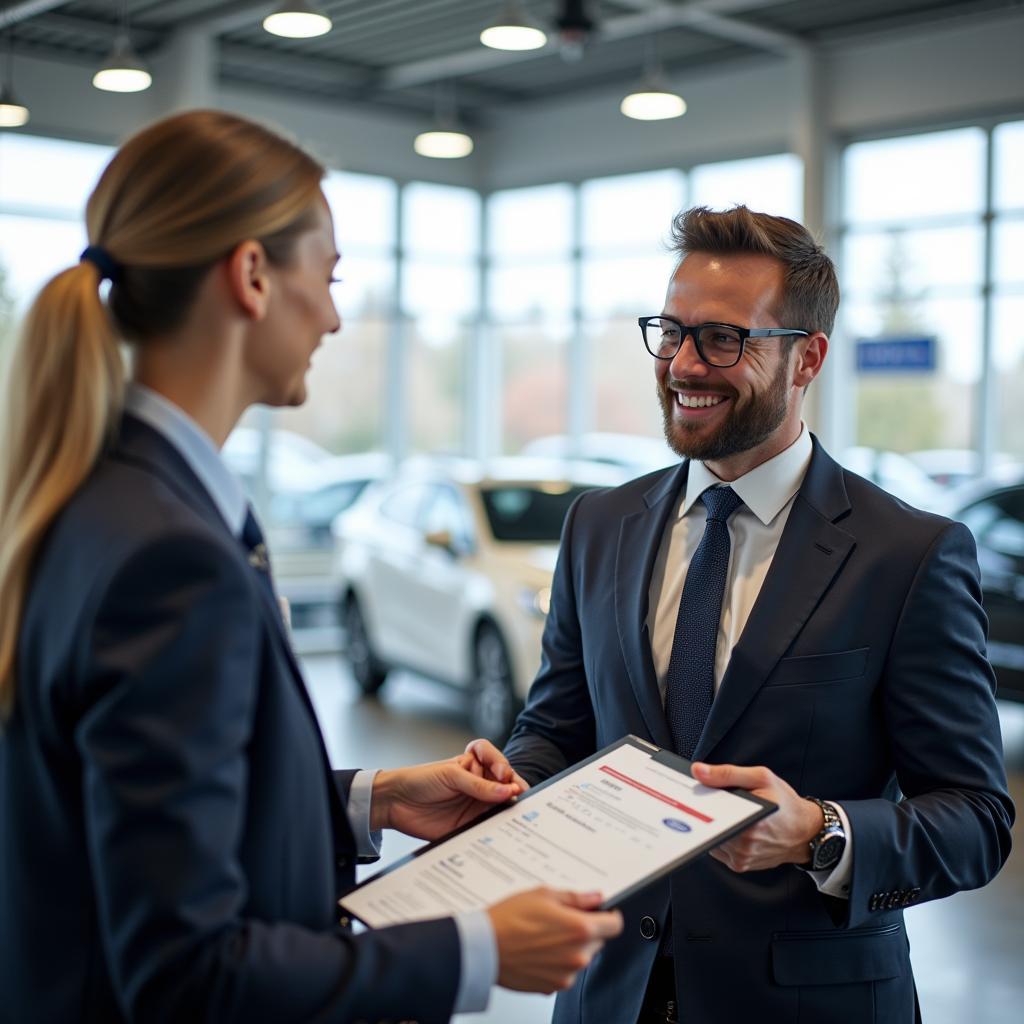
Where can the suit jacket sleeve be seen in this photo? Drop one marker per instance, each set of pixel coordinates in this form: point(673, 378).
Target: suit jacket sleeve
point(557, 728)
point(172, 681)
point(951, 830)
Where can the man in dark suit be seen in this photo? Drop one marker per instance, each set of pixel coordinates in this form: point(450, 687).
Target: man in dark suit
point(795, 631)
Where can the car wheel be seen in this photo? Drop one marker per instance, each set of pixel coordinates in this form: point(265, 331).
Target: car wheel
point(368, 671)
point(494, 706)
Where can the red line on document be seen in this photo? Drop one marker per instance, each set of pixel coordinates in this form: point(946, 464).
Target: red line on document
point(653, 792)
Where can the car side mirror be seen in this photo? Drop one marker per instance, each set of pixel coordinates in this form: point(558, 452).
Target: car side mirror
point(441, 539)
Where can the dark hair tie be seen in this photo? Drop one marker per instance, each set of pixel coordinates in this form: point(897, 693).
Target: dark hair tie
point(108, 267)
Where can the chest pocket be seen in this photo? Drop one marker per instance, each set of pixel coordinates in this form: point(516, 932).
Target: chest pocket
point(820, 668)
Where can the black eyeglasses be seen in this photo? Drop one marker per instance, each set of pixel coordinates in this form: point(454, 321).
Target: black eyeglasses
point(717, 344)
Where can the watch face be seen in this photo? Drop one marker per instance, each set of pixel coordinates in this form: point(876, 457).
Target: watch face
point(828, 852)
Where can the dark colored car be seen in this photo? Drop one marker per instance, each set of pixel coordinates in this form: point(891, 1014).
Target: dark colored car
point(994, 513)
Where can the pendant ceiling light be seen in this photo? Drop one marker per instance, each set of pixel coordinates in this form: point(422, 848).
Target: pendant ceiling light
point(653, 100)
point(124, 70)
point(12, 113)
point(443, 145)
point(298, 20)
point(513, 30)
point(445, 141)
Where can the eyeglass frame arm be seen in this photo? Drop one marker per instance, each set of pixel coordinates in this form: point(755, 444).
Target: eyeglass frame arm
point(692, 330)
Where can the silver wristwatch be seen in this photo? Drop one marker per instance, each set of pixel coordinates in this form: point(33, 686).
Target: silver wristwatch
point(827, 846)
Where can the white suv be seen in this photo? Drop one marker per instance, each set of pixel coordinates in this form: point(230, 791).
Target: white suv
point(446, 570)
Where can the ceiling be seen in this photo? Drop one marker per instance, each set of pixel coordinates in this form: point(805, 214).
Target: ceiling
point(412, 55)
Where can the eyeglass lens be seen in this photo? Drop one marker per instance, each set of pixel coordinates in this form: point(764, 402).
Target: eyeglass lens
point(716, 344)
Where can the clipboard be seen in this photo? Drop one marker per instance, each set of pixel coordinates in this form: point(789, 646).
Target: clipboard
point(617, 821)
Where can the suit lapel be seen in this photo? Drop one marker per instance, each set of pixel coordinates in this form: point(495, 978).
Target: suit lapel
point(811, 551)
point(640, 537)
point(141, 445)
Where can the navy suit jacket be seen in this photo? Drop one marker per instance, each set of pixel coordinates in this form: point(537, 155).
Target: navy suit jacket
point(860, 676)
point(174, 841)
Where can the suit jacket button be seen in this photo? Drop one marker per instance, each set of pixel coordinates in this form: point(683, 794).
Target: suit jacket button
point(342, 862)
point(648, 927)
point(345, 921)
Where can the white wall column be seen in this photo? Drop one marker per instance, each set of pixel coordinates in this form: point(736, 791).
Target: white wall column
point(184, 72)
point(828, 403)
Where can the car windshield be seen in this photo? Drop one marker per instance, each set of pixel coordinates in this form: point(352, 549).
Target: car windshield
point(529, 512)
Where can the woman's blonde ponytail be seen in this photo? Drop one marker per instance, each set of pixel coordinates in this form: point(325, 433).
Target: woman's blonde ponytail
point(64, 393)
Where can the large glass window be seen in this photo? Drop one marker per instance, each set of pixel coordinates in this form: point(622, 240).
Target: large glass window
point(440, 303)
point(1008, 292)
point(530, 307)
point(347, 395)
point(626, 265)
point(44, 184)
point(931, 282)
point(769, 184)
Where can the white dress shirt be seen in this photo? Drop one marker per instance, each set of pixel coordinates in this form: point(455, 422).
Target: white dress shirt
point(478, 948)
point(755, 528)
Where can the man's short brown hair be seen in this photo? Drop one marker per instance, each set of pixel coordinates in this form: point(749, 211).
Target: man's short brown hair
point(811, 290)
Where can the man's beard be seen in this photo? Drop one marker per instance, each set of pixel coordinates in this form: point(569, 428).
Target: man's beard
point(743, 429)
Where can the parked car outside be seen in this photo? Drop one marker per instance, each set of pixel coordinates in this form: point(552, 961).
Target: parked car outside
point(951, 467)
point(896, 474)
point(633, 453)
point(446, 570)
point(307, 489)
point(294, 462)
point(300, 534)
point(994, 512)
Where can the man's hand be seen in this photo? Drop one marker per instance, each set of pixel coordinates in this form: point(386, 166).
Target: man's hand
point(430, 800)
point(546, 937)
point(782, 837)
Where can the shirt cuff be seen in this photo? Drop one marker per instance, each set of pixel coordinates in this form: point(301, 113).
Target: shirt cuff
point(359, 795)
point(836, 881)
point(479, 960)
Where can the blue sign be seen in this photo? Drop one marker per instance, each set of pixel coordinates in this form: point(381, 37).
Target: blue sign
point(896, 355)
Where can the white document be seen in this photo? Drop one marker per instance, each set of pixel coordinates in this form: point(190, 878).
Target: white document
point(613, 823)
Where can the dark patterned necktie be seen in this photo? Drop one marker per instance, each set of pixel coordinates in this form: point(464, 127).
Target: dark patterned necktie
point(256, 550)
point(690, 680)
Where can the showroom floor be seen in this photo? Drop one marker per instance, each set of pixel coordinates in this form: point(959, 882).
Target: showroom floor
point(967, 949)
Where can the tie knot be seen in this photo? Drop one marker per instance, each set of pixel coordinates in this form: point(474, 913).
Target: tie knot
point(252, 535)
point(720, 502)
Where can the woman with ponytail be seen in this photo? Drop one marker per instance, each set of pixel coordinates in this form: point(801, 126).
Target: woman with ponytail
point(173, 842)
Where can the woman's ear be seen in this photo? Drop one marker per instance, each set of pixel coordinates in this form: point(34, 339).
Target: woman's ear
point(248, 278)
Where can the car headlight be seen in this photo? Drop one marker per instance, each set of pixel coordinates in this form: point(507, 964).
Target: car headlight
point(535, 602)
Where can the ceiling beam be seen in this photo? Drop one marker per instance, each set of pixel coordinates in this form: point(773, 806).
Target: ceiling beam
point(14, 13)
point(227, 17)
point(714, 17)
point(710, 16)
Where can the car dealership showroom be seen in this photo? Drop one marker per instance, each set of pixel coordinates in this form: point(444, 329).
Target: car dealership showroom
point(503, 179)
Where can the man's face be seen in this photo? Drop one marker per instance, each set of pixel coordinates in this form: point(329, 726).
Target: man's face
point(716, 413)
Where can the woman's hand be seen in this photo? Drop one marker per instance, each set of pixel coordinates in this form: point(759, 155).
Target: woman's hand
point(430, 800)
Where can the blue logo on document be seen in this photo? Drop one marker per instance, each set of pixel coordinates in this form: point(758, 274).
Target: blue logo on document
point(675, 824)
point(531, 816)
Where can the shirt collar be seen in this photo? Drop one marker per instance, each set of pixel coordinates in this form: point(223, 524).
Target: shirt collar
point(767, 488)
point(196, 447)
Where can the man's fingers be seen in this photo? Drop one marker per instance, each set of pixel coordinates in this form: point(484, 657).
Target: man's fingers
point(607, 924)
point(579, 900)
point(488, 755)
point(723, 775)
point(482, 789)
